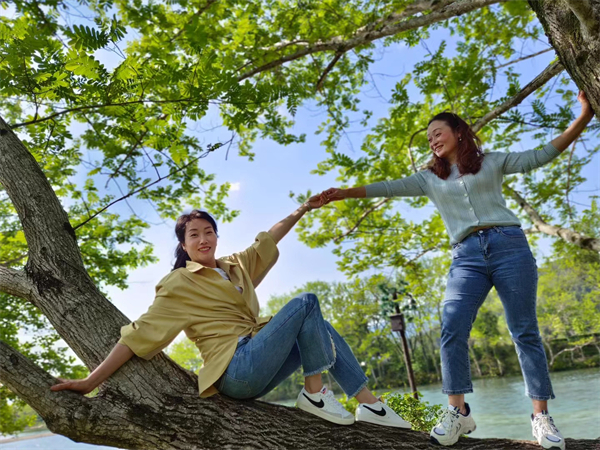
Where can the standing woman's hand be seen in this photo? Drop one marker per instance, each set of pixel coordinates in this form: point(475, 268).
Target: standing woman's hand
point(586, 107)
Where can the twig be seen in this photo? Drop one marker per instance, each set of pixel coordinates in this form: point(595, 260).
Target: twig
point(363, 217)
point(173, 172)
point(569, 180)
point(328, 69)
point(533, 55)
point(410, 155)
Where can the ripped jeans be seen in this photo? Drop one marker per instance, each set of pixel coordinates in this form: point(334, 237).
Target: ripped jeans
point(297, 336)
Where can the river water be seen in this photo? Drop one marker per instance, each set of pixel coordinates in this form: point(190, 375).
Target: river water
point(499, 407)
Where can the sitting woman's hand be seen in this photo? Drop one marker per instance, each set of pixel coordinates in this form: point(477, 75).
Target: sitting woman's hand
point(83, 386)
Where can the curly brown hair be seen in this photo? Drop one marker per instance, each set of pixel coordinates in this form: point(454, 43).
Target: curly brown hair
point(469, 156)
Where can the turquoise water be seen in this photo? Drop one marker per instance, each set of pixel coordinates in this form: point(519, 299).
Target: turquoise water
point(499, 407)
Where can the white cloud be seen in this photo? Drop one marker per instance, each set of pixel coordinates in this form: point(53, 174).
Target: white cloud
point(235, 186)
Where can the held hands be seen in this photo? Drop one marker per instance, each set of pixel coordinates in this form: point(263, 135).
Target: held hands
point(330, 195)
point(83, 386)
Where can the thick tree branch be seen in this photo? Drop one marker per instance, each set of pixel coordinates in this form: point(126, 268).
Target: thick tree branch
point(32, 384)
point(389, 26)
point(15, 282)
point(549, 72)
point(568, 235)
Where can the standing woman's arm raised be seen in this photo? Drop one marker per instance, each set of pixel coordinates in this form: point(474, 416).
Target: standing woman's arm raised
point(578, 125)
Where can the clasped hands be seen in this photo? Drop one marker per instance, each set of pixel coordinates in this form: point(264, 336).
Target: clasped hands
point(325, 197)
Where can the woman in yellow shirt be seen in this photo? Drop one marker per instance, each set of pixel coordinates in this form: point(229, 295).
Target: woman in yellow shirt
point(245, 356)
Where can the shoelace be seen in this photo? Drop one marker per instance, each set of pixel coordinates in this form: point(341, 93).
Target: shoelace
point(447, 418)
point(332, 402)
point(545, 424)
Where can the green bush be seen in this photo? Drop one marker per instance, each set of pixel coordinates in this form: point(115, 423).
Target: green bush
point(421, 415)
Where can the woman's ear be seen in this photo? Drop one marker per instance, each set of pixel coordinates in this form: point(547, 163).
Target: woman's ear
point(183, 247)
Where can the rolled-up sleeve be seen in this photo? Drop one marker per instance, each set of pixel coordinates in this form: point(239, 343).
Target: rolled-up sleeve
point(259, 258)
point(156, 328)
point(521, 162)
point(412, 186)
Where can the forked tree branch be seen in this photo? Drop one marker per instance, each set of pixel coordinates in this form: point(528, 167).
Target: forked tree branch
point(566, 234)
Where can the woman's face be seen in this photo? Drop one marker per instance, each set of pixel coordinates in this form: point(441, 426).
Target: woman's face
point(442, 139)
point(200, 242)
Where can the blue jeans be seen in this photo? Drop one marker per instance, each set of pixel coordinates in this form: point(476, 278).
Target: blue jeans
point(499, 257)
point(297, 335)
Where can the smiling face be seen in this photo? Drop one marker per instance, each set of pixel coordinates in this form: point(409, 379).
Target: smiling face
point(201, 242)
point(442, 140)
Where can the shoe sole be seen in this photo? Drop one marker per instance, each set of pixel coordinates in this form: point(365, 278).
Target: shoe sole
point(408, 426)
point(433, 440)
point(323, 415)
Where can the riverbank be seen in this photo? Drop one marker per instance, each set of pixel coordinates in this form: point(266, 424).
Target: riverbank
point(25, 437)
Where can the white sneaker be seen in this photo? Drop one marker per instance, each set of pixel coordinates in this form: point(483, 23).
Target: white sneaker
point(451, 425)
point(381, 414)
point(324, 405)
point(546, 432)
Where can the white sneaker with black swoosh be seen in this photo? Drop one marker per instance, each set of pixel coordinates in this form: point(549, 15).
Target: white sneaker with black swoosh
point(324, 405)
point(381, 414)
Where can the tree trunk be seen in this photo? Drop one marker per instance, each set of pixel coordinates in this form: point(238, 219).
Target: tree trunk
point(573, 29)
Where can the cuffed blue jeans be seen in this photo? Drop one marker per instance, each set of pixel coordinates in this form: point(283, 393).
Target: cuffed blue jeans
point(499, 257)
point(297, 336)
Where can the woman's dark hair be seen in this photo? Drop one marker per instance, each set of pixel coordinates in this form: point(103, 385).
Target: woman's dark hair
point(469, 155)
point(181, 255)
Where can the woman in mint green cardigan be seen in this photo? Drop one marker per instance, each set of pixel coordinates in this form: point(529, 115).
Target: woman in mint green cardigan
point(489, 249)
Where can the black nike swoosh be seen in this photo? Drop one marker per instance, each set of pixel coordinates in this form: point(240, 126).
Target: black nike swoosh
point(379, 413)
point(318, 404)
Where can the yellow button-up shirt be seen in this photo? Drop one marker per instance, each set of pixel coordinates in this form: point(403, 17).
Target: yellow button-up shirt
point(211, 311)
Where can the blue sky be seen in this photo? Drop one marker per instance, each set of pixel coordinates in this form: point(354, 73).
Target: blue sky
point(261, 188)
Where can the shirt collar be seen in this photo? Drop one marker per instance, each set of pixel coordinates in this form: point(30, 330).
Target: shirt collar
point(194, 266)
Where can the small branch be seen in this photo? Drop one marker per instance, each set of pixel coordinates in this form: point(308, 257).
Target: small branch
point(523, 58)
point(423, 253)
point(328, 69)
point(135, 191)
point(551, 71)
point(389, 26)
point(569, 180)
point(568, 235)
point(363, 217)
point(15, 282)
point(410, 155)
point(198, 13)
point(97, 106)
